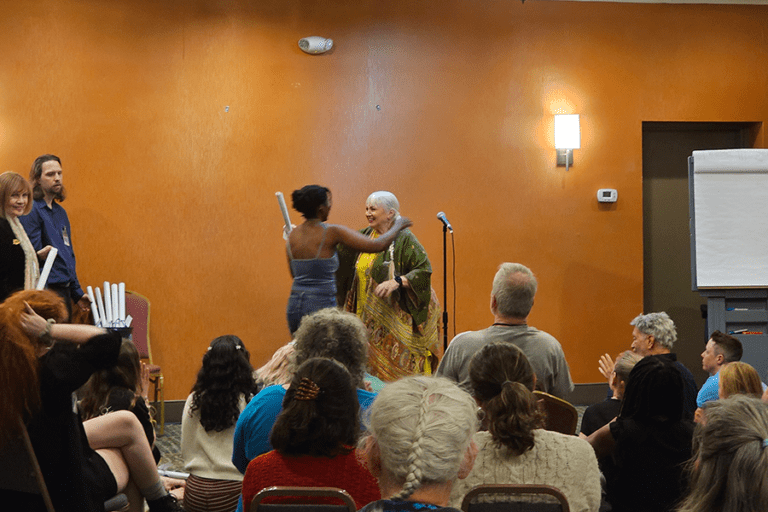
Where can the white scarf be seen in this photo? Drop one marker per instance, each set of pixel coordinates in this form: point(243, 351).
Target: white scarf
point(31, 268)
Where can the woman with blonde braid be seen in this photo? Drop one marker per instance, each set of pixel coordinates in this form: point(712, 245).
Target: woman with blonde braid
point(421, 442)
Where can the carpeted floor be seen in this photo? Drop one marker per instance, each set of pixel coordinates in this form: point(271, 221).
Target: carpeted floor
point(170, 449)
point(169, 444)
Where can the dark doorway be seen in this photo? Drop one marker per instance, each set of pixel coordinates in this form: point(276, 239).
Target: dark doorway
point(666, 236)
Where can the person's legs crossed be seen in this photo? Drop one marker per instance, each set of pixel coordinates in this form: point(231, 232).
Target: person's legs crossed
point(119, 438)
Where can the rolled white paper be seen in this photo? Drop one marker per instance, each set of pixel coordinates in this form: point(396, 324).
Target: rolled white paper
point(284, 209)
point(173, 474)
point(47, 268)
point(108, 303)
point(115, 305)
point(94, 308)
point(100, 303)
point(121, 300)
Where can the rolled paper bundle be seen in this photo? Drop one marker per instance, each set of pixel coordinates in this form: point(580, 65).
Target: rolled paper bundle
point(284, 209)
point(102, 311)
point(121, 300)
point(108, 303)
point(94, 307)
point(115, 305)
point(47, 268)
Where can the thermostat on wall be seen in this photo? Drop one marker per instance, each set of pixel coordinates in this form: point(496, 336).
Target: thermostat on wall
point(607, 195)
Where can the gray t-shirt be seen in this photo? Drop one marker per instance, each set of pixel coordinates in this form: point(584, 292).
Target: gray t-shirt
point(542, 350)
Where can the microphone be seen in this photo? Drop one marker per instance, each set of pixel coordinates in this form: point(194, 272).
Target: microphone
point(444, 220)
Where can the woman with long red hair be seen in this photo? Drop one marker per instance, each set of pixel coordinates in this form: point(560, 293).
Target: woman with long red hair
point(42, 362)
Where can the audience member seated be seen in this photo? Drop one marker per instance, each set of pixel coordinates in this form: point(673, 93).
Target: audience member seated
point(42, 363)
point(739, 378)
point(645, 449)
point(223, 387)
point(654, 334)
point(515, 449)
point(120, 388)
point(514, 288)
point(327, 333)
point(601, 413)
point(721, 349)
point(315, 437)
point(278, 369)
point(729, 472)
point(420, 442)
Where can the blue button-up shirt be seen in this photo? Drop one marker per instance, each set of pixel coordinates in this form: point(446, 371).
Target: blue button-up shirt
point(50, 226)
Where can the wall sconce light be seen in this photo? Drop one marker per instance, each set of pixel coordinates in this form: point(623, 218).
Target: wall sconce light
point(567, 138)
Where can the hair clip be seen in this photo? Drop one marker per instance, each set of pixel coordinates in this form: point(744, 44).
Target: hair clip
point(239, 347)
point(765, 443)
point(209, 349)
point(307, 390)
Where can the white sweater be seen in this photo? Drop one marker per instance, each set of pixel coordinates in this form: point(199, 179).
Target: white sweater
point(562, 461)
point(207, 454)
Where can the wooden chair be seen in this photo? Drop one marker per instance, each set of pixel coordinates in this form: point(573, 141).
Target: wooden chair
point(561, 415)
point(137, 306)
point(312, 499)
point(21, 481)
point(515, 498)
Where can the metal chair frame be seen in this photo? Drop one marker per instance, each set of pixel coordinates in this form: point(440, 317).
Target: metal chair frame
point(515, 490)
point(302, 492)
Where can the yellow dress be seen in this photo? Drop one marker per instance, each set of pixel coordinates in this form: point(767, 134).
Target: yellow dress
point(398, 346)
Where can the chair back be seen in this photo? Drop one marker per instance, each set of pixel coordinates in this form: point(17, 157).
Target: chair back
point(515, 498)
point(137, 306)
point(20, 474)
point(22, 482)
point(561, 415)
point(308, 499)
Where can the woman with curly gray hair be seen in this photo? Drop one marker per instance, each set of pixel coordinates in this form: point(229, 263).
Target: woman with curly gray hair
point(329, 333)
point(421, 442)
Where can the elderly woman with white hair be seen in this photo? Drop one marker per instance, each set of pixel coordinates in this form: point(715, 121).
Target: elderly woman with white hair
point(654, 334)
point(420, 443)
point(391, 292)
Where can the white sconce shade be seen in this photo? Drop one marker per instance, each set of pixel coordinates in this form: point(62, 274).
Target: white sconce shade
point(567, 132)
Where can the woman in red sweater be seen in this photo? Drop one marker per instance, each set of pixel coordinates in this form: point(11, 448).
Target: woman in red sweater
point(314, 437)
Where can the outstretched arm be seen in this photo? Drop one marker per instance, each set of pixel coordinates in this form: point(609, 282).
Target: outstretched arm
point(35, 325)
point(359, 242)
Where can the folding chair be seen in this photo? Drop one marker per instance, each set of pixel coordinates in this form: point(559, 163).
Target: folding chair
point(515, 498)
point(561, 415)
point(308, 499)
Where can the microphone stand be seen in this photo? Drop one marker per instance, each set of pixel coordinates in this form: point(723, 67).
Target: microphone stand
point(445, 289)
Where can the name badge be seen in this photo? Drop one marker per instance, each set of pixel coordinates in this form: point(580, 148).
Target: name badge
point(65, 235)
point(16, 241)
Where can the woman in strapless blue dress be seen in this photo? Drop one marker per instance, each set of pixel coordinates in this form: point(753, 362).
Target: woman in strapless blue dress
point(311, 250)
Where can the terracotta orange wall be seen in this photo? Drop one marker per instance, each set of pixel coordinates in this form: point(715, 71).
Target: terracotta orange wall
point(174, 195)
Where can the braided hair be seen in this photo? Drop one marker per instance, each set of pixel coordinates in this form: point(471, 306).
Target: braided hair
point(423, 426)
